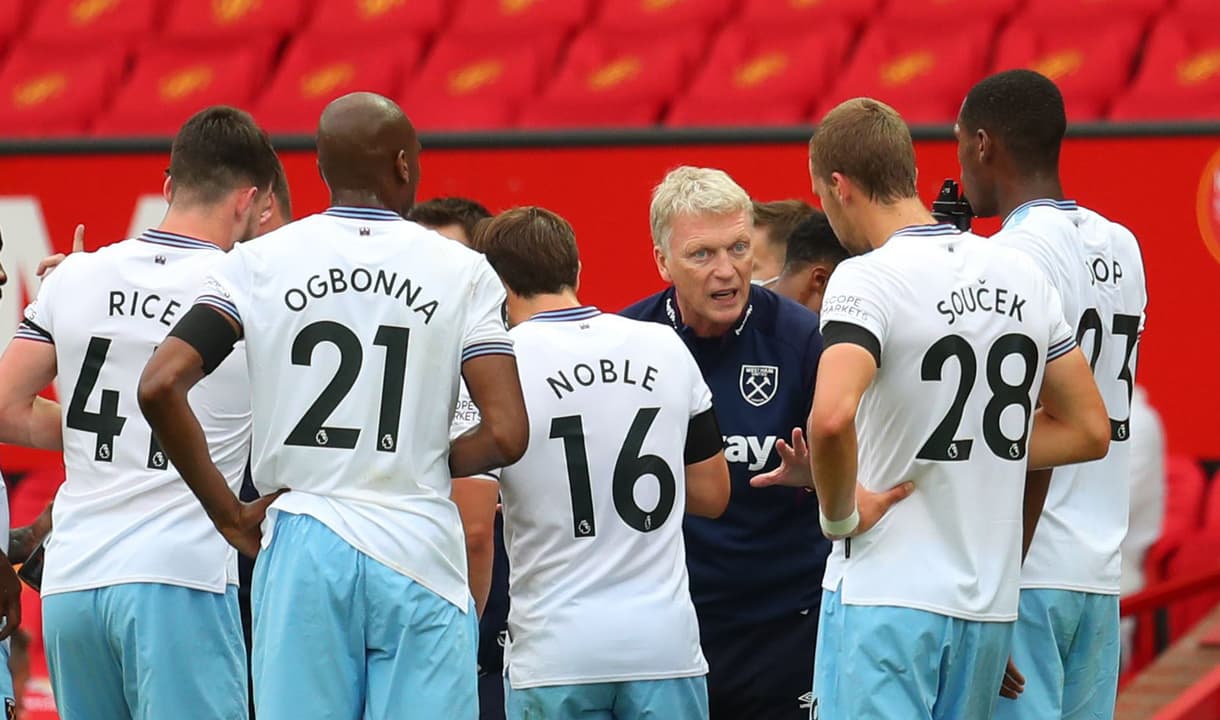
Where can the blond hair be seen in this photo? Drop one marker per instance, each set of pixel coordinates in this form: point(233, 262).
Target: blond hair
point(694, 191)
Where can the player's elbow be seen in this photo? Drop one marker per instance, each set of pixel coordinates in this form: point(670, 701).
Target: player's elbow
point(157, 388)
point(1095, 442)
point(830, 424)
point(511, 439)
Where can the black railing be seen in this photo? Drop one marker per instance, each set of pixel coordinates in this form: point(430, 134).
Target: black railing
point(598, 137)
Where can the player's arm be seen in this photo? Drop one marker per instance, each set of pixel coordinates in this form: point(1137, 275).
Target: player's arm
point(1072, 425)
point(844, 373)
point(196, 346)
point(27, 367)
point(707, 472)
point(476, 499)
point(502, 434)
point(1037, 485)
point(24, 540)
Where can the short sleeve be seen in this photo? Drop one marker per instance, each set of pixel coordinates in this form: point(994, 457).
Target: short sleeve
point(855, 296)
point(227, 287)
point(38, 319)
point(485, 332)
point(1060, 338)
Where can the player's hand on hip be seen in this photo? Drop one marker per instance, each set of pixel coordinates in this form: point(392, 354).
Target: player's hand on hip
point(873, 506)
point(1014, 682)
point(50, 263)
point(247, 532)
point(10, 599)
point(794, 469)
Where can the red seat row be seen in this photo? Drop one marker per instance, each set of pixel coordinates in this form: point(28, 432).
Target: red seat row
point(124, 67)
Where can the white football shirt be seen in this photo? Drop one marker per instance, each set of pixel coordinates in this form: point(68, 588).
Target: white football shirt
point(357, 323)
point(1076, 546)
point(965, 329)
point(593, 511)
point(123, 514)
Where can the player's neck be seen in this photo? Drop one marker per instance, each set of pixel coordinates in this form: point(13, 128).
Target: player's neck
point(1013, 195)
point(880, 225)
point(521, 309)
point(358, 199)
point(201, 224)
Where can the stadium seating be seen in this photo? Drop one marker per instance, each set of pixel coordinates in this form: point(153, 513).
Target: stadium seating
point(46, 92)
point(761, 78)
point(519, 17)
point(1076, 11)
point(168, 85)
point(316, 71)
point(464, 88)
point(1197, 555)
point(477, 64)
point(923, 76)
point(601, 84)
point(1089, 67)
point(232, 21)
point(1179, 76)
point(659, 17)
point(363, 19)
point(789, 15)
point(948, 15)
point(82, 25)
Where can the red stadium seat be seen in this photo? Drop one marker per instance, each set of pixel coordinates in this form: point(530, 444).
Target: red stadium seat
point(1179, 77)
point(519, 17)
point(1089, 67)
point(44, 92)
point(924, 76)
point(1199, 553)
point(762, 78)
point(92, 24)
point(168, 85)
point(579, 113)
point(11, 16)
point(464, 87)
point(368, 18)
point(1076, 11)
point(233, 20)
point(1211, 507)
point(802, 15)
point(1198, 10)
point(315, 71)
point(603, 85)
point(948, 14)
point(1185, 487)
point(656, 17)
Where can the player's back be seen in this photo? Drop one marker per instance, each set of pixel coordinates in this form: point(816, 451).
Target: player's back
point(123, 513)
point(593, 511)
point(964, 330)
point(1087, 505)
point(356, 324)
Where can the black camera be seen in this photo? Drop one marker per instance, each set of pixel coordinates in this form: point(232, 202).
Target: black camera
point(952, 207)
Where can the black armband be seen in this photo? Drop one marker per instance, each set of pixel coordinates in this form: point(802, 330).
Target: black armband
point(703, 438)
point(837, 332)
point(206, 330)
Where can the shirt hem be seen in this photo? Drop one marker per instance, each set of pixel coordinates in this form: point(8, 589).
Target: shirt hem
point(928, 607)
point(550, 682)
point(1071, 587)
point(97, 585)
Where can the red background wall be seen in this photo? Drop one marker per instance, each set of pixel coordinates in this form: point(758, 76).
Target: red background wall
point(1166, 190)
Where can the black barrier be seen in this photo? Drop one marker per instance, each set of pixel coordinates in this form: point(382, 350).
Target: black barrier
point(599, 137)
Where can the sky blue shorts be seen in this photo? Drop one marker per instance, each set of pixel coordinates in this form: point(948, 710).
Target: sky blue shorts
point(674, 699)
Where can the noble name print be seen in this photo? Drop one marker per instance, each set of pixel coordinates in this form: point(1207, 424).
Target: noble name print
point(758, 383)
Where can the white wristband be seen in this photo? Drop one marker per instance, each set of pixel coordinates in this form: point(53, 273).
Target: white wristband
point(840, 528)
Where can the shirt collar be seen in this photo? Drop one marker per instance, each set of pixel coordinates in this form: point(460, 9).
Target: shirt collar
point(361, 213)
point(1040, 202)
point(161, 237)
point(675, 315)
point(584, 312)
point(935, 230)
